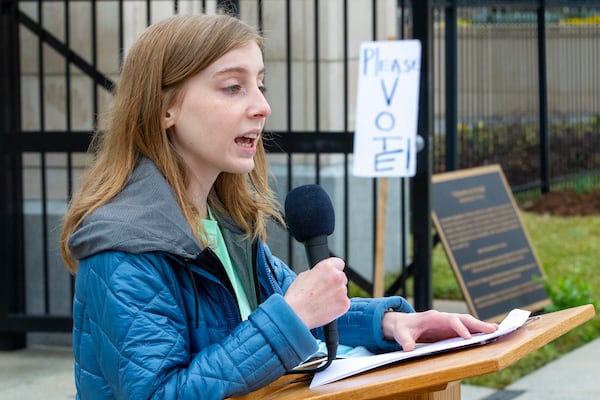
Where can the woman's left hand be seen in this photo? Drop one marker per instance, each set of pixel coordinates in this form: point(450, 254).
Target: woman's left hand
point(431, 326)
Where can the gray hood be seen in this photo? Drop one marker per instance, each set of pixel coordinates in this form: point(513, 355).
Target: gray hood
point(144, 217)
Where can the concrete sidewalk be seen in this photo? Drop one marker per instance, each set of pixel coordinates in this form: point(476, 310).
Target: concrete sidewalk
point(571, 377)
point(37, 373)
point(47, 372)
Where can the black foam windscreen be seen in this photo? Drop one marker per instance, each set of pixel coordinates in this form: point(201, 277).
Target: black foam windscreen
point(309, 212)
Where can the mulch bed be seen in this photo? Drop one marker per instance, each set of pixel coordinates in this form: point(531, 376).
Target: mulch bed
point(566, 203)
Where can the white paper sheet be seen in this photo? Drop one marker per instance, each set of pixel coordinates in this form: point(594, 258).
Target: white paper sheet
point(343, 368)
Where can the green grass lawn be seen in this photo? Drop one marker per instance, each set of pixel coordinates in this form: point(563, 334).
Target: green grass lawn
point(568, 250)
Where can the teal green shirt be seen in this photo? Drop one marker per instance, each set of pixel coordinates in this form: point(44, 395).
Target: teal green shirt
point(217, 244)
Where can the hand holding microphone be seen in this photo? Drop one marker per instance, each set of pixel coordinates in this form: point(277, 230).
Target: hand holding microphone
point(319, 295)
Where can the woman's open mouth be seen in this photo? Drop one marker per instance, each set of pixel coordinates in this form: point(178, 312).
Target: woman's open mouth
point(248, 140)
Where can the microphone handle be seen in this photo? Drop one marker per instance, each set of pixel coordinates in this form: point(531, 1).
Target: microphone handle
point(317, 250)
point(331, 340)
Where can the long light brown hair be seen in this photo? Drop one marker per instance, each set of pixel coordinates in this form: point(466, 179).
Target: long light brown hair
point(158, 64)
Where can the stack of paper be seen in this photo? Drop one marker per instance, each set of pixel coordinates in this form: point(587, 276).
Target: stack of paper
point(343, 368)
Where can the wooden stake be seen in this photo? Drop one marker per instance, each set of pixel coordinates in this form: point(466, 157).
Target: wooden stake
point(379, 268)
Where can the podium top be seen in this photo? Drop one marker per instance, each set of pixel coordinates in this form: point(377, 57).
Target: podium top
point(433, 373)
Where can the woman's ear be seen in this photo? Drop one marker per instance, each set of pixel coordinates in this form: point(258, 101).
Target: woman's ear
point(169, 119)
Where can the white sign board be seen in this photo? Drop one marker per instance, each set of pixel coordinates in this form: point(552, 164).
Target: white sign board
point(387, 108)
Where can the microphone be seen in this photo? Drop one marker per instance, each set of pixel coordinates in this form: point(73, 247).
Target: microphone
point(310, 218)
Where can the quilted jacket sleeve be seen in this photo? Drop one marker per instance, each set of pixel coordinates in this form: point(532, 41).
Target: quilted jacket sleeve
point(361, 325)
point(132, 338)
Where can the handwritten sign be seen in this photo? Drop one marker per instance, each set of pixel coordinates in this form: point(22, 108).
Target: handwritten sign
point(386, 108)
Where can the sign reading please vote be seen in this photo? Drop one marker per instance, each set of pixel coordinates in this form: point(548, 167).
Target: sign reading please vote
point(387, 108)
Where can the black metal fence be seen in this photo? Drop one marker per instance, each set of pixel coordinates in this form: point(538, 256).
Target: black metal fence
point(521, 89)
point(496, 88)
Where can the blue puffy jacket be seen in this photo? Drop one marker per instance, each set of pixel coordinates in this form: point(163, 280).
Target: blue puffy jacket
point(154, 315)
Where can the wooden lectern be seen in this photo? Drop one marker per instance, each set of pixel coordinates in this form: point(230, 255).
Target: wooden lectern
point(434, 377)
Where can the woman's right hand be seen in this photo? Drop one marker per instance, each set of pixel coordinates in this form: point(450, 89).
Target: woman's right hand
point(319, 295)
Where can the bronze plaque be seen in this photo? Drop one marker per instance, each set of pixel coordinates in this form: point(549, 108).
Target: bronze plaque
point(482, 233)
